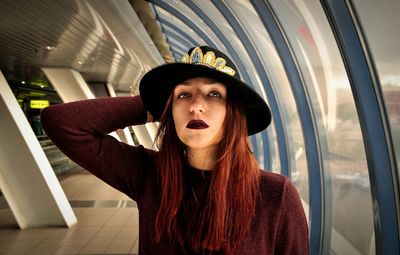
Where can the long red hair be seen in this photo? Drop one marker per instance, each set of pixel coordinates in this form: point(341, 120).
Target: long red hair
point(233, 192)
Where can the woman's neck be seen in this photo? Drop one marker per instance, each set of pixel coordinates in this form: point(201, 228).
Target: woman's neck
point(203, 159)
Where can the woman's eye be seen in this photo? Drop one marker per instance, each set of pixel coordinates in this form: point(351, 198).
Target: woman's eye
point(215, 94)
point(183, 95)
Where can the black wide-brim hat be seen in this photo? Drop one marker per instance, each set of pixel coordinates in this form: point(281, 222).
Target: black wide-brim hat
point(157, 85)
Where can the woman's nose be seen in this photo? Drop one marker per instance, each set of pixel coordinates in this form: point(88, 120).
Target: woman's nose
point(197, 104)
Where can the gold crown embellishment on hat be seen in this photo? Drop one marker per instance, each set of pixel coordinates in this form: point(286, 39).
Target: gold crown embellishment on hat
point(208, 59)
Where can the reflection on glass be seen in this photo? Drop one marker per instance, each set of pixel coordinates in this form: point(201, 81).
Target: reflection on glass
point(382, 21)
point(344, 162)
point(228, 36)
point(297, 161)
point(181, 25)
point(197, 21)
point(274, 151)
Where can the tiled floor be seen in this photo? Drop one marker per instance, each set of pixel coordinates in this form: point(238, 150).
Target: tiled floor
point(107, 223)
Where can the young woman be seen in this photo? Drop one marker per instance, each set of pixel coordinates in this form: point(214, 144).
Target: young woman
point(202, 192)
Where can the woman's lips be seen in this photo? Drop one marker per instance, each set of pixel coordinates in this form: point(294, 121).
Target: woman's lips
point(197, 124)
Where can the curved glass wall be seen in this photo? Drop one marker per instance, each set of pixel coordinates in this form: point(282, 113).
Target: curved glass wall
point(186, 12)
point(345, 168)
point(245, 12)
point(170, 31)
point(232, 38)
point(184, 27)
point(382, 21)
point(186, 32)
point(179, 46)
point(274, 150)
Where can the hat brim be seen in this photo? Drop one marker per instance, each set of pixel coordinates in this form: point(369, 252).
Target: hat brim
point(157, 85)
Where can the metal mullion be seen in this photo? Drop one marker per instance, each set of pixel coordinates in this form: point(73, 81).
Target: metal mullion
point(192, 25)
point(179, 30)
point(253, 140)
point(185, 45)
point(319, 197)
point(276, 113)
point(171, 30)
point(157, 17)
point(178, 48)
point(174, 54)
point(374, 122)
point(185, 20)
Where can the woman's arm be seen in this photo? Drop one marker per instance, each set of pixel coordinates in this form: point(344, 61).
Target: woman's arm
point(80, 130)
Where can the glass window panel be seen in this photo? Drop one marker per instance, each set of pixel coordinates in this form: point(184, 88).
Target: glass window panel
point(168, 16)
point(187, 12)
point(274, 150)
point(276, 73)
point(219, 20)
point(182, 37)
point(260, 148)
point(382, 20)
point(177, 45)
point(314, 45)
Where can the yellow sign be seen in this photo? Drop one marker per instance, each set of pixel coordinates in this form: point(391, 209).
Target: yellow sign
point(39, 104)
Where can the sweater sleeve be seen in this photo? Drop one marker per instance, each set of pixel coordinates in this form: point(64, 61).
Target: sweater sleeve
point(80, 130)
point(293, 229)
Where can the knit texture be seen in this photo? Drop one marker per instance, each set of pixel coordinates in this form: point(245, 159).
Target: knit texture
point(80, 130)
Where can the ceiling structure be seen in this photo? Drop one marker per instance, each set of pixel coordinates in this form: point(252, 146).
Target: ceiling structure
point(103, 40)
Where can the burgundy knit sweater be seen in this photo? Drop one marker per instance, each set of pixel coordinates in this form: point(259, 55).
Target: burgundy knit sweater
point(80, 130)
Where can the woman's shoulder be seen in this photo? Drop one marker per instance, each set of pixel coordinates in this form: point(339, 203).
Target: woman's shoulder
point(273, 179)
point(276, 185)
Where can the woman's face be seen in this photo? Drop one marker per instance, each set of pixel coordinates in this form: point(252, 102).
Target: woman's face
point(198, 110)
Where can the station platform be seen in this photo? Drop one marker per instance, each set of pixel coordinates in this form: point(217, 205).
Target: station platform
point(107, 223)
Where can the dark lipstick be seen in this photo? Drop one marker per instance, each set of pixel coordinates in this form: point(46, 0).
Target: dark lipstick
point(197, 124)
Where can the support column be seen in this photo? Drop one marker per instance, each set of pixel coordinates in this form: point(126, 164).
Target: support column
point(144, 133)
point(27, 179)
point(124, 134)
point(143, 136)
point(69, 84)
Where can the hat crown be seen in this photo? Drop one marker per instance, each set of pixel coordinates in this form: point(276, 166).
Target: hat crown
point(212, 58)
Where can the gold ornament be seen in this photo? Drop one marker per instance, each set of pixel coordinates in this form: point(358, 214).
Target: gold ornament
point(208, 59)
